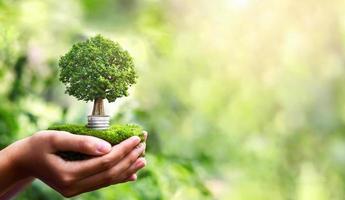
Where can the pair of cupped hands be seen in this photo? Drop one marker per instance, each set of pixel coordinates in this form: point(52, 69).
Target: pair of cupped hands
point(35, 157)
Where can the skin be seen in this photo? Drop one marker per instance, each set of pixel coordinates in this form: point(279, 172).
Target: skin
point(34, 157)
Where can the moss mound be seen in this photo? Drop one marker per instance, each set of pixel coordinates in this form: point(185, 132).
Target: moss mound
point(114, 135)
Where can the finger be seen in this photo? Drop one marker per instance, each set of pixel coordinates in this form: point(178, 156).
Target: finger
point(145, 135)
point(115, 174)
point(86, 168)
point(132, 177)
point(145, 138)
point(64, 141)
point(132, 157)
point(139, 163)
point(108, 178)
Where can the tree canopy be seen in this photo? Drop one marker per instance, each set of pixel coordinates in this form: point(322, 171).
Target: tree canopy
point(97, 68)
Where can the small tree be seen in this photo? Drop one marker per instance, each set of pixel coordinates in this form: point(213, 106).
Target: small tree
point(97, 69)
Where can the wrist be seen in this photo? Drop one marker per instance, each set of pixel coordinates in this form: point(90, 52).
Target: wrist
point(17, 158)
point(10, 165)
point(13, 177)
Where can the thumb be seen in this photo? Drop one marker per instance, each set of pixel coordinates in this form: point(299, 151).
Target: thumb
point(65, 141)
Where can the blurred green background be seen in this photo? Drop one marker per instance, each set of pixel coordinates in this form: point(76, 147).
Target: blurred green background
point(243, 99)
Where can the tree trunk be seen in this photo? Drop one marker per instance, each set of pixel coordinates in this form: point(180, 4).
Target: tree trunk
point(98, 107)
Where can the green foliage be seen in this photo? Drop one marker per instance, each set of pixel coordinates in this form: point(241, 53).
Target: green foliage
point(97, 68)
point(8, 125)
point(114, 135)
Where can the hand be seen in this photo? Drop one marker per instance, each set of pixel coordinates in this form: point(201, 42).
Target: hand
point(35, 157)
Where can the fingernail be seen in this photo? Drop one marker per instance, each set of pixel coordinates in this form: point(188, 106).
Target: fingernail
point(103, 147)
point(134, 178)
point(139, 146)
point(135, 139)
point(141, 163)
point(145, 133)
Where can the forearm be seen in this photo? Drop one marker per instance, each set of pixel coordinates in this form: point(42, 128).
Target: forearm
point(12, 178)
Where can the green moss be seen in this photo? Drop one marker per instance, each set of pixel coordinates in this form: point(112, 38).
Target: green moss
point(114, 135)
